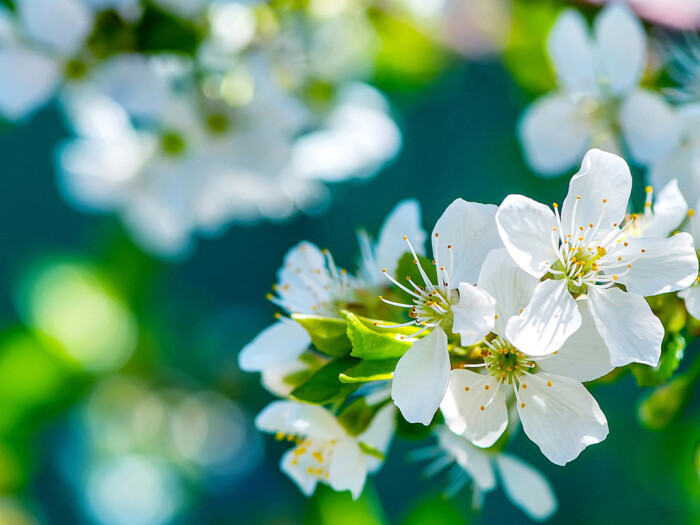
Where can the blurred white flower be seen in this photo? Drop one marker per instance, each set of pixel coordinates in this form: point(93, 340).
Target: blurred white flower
point(175, 165)
point(599, 93)
point(525, 486)
point(662, 215)
point(36, 48)
point(683, 161)
point(324, 452)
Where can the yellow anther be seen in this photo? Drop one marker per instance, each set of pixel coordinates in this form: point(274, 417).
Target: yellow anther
point(279, 436)
point(466, 389)
point(483, 408)
point(648, 189)
point(549, 383)
point(555, 205)
point(614, 277)
point(495, 316)
point(554, 229)
point(691, 212)
point(317, 456)
point(578, 197)
point(524, 385)
point(405, 238)
point(605, 200)
point(522, 405)
point(486, 387)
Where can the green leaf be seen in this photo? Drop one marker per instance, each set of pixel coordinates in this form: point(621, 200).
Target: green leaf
point(665, 403)
point(324, 386)
point(338, 508)
point(370, 342)
point(671, 357)
point(356, 417)
point(370, 370)
point(328, 334)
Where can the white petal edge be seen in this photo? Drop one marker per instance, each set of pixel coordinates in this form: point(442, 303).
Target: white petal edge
point(474, 314)
point(626, 323)
point(560, 416)
point(547, 322)
point(526, 487)
point(421, 377)
point(467, 393)
point(528, 230)
point(278, 344)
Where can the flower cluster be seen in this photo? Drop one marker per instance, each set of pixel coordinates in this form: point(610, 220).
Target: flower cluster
point(518, 306)
point(247, 115)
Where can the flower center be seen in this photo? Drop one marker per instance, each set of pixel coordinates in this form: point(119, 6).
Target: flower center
point(432, 303)
point(504, 361)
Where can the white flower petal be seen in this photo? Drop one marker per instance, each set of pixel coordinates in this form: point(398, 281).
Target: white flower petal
point(473, 460)
point(468, 392)
point(273, 379)
point(547, 322)
point(278, 344)
point(584, 356)
point(470, 229)
point(421, 377)
point(378, 435)
point(668, 212)
point(691, 296)
point(63, 25)
point(296, 469)
point(474, 315)
point(682, 164)
point(508, 284)
point(604, 184)
point(528, 230)
point(627, 325)
point(347, 470)
point(303, 279)
point(621, 43)
point(553, 134)
point(572, 52)
point(526, 487)
point(29, 79)
point(560, 416)
point(404, 219)
point(295, 418)
point(657, 265)
point(650, 126)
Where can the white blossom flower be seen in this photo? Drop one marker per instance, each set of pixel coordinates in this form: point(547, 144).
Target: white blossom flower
point(585, 251)
point(599, 92)
point(324, 452)
point(661, 216)
point(556, 410)
point(524, 485)
point(404, 219)
point(462, 238)
point(683, 161)
point(36, 48)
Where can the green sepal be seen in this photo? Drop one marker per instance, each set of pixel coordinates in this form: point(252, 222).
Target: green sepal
point(370, 370)
point(370, 342)
point(357, 416)
point(324, 386)
point(328, 334)
point(371, 451)
point(671, 356)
